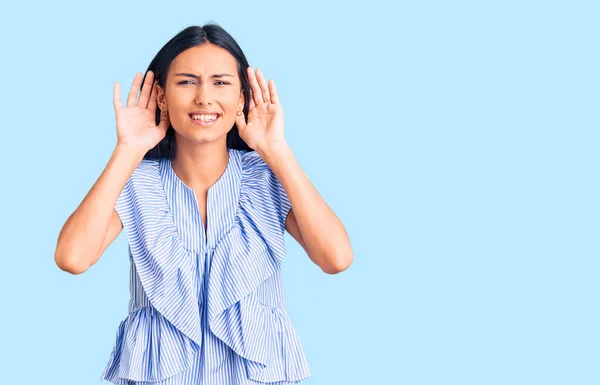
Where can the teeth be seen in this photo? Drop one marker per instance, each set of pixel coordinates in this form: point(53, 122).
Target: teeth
point(204, 118)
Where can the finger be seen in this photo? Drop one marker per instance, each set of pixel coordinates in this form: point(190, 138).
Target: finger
point(273, 92)
point(152, 101)
point(251, 105)
point(165, 122)
point(117, 96)
point(263, 86)
point(256, 92)
point(240, 122)
point(135, 86)
point(146, 90)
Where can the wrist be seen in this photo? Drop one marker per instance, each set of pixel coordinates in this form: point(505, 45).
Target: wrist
point(276, 156)
point(275, 150)
point(130, 151)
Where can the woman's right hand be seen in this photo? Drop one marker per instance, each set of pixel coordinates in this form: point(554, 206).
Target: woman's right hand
point(136, 124)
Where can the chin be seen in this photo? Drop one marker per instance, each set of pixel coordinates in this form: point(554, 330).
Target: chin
point(200, 134)
point(203, 135)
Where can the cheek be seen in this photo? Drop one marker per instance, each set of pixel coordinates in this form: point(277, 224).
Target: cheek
point(232, 101)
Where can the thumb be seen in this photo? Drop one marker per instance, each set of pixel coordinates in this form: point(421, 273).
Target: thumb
point(164, 120)
point(240, 121)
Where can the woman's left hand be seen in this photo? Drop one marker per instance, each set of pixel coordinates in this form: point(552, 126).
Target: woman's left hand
point(264, 129)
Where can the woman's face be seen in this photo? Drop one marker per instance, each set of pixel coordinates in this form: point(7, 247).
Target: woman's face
point(202, 78)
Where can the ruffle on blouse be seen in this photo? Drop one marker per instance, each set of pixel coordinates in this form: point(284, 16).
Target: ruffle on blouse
point(166, 272)
point(248, 255)
point(250, 252)
point(149, 348)
point(285, 359)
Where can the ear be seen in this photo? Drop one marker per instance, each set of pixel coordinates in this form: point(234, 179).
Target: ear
point(161, 100)
point(241, 101)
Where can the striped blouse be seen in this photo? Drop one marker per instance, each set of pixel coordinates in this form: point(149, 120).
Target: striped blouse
point(207, 306)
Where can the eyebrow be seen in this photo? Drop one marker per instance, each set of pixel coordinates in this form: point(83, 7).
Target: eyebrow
point(198, 77)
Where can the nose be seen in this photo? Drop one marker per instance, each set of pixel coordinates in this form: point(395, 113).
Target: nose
point(203, 97)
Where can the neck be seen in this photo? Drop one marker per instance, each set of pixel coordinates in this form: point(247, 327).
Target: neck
point(199, 166)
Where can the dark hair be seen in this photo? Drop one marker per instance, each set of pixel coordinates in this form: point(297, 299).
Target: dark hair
point(191, 37)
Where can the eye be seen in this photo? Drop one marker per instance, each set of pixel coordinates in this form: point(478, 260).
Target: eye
point(189, 81)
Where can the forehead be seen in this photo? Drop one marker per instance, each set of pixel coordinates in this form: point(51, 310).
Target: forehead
point(205, 59)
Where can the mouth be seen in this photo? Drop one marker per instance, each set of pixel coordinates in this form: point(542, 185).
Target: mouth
point(205, 120)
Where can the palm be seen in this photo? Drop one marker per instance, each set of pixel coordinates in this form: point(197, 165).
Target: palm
point(136, 122)
point(141, 126)
point(264, 127)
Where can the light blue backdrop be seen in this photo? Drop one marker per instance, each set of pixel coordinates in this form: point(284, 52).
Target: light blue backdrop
point(457, 141)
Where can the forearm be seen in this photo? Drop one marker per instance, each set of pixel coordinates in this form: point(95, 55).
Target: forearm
point(323, 233)
point(84, 231)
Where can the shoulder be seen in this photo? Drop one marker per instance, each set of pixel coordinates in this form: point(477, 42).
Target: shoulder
point(263, 189)
point(255, 170)
point(146, 173)
point(261, 182)
point(146, 168)
point(251, 160)
point(142, 193)
point(144, 179)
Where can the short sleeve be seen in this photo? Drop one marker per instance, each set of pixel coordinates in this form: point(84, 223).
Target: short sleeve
point(280, 199)
point(135, 193)
point(124, 201)
point(265, 190)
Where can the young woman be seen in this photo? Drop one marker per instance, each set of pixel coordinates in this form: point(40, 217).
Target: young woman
point(205, 186)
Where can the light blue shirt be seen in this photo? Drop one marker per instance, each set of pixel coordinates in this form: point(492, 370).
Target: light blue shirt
point(206, 307)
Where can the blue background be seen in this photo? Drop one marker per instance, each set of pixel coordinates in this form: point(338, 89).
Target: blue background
point(457, 141)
